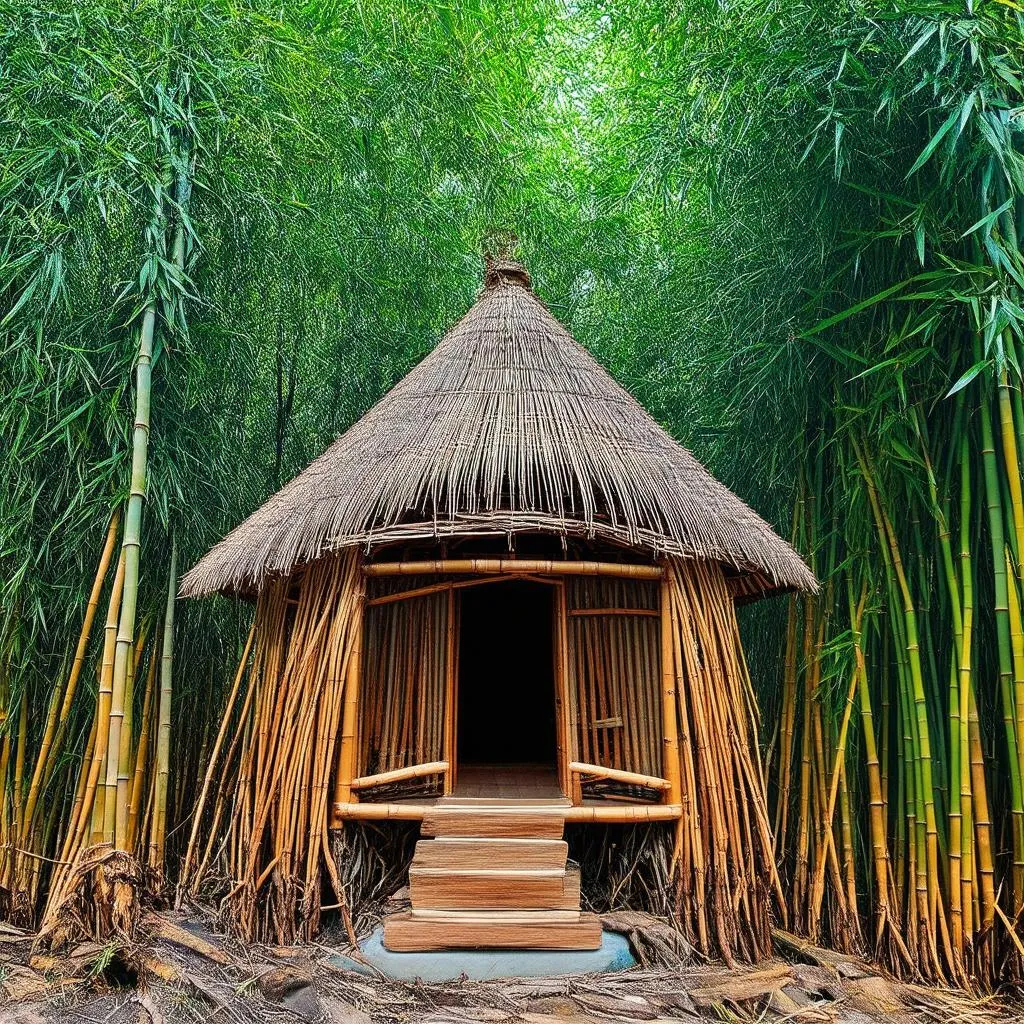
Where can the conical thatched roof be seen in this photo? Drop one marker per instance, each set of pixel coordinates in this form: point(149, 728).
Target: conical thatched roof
point(508, 425)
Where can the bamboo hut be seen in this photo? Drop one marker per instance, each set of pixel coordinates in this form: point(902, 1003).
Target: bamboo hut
point(503, 602)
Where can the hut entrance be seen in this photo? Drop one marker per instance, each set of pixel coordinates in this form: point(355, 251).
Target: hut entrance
point(505, 737)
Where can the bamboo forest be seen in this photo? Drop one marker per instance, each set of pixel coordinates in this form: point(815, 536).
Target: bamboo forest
point(791, 231)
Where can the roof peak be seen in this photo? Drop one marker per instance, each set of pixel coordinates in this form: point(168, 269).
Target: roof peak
point(502, 270)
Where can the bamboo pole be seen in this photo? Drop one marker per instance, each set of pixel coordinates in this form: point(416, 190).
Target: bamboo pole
point(414, 771)
point(347, 750)
point(618, 775)
point(163, 746)
point(513, 565)
point(57, 722)
point(669, 726)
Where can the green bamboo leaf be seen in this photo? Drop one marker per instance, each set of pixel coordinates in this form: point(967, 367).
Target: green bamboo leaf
point(933, 143)
point(968, 377)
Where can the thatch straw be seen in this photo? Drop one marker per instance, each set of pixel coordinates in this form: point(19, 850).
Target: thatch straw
point(508, 425)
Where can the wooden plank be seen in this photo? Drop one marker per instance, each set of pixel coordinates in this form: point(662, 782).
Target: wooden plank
point(405, 933)
point(571, 886)
point(444, 889)
point(525, 916)
point(487, 822)
point(486, 853)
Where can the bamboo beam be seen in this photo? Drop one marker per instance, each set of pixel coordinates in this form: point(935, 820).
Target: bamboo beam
point(669, 722)
point(436, 588)
point(350, 716)
point(618, 775)
point(607, 813)
point(515, 565)
point(652, 612)
point(414, 771)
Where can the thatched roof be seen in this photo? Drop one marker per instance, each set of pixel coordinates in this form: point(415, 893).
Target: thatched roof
point(508, 425)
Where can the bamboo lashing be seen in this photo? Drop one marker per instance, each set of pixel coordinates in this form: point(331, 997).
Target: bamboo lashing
point(617, 775)
point(514, 565)
point(414, 771)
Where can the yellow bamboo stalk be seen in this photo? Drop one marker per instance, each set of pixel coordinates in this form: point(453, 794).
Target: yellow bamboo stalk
point(57, 720)
point(102, 708)
point(141, 755)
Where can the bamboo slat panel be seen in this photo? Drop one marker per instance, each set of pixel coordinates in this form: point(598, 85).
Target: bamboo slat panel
point(405, 670)
point(614, 666)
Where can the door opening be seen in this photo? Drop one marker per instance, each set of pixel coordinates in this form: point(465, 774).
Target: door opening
point(506, 682)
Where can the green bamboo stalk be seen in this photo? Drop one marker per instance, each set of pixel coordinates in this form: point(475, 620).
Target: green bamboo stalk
point(994, 505)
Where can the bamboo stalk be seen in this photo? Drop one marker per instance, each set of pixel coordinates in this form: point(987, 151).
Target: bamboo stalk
point(163, 746)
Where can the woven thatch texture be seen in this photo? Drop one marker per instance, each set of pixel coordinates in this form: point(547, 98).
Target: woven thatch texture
point(508, 425)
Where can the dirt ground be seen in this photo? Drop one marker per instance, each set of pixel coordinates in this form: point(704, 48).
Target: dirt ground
point(180, 972)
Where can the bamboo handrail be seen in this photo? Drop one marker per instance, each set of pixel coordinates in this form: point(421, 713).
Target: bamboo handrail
point(514, 565)
point(413, 771)
point(618, 775)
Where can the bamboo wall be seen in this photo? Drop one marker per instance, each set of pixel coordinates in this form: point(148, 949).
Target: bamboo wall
point(261, 821)
point(665, 658)
point(614, 675)
point(405, 669)
point(724, 862)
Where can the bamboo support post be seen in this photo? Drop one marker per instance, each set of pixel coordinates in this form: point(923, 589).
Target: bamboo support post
point(669, 724)
point(350, 715)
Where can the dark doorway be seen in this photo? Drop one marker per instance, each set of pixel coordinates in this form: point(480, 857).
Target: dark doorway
point(506, 675)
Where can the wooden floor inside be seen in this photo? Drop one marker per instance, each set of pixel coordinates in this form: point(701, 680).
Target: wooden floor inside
point(508, 782)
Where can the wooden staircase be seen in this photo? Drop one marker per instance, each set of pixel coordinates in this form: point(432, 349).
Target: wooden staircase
point(494, 876)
